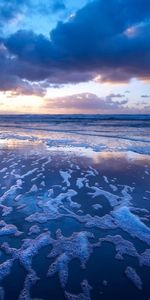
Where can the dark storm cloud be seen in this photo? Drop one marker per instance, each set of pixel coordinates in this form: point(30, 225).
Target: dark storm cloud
point(13, 76)
point(18, 86)
point(110, 38)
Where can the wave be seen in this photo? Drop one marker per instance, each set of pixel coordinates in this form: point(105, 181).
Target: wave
point(74, 118)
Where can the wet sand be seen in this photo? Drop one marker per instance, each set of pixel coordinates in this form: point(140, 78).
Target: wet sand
point(75, 221)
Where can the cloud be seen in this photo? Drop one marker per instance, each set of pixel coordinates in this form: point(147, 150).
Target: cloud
point(11, 9)
point(86, 102)
point(145, 96)
point(116, 95)
point(104, 41)
point(58, 5)
point(11, 79)
point(99, 39)
point(90, 104)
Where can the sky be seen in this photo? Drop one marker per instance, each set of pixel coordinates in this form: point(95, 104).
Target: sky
point(74, 56)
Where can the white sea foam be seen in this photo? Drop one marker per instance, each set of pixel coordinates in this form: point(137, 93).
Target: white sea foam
point(113, 199)
point(80, 182)
point(134, 277)
point(122, 246)
point(66, 249)
point(66, 176)
point(85, 295)
point(132, 224)
point(5, 268)
point(9, 229)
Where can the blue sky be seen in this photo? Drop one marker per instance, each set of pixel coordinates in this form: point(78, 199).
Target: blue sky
point(75, 56)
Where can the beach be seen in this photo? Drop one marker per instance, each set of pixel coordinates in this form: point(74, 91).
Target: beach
point(75, 207)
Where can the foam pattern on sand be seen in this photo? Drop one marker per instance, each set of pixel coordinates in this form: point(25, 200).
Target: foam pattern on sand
point(132, 224)
point(68, 210)
point(85, 295)
point(66, 249)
